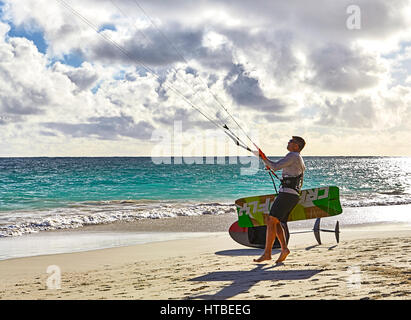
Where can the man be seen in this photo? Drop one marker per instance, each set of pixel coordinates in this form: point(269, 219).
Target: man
point(293, 168)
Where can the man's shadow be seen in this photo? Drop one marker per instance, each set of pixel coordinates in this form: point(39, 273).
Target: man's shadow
point(242, 281)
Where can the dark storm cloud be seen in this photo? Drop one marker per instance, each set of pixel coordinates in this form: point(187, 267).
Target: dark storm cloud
point(105, 128)
point(246, 91)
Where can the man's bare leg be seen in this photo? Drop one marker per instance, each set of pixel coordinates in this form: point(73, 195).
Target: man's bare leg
point(280, 234)
point(269, 239)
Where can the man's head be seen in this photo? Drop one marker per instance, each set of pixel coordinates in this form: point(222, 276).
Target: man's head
point(296, 144)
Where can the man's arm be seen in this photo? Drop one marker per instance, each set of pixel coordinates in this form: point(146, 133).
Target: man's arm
point(280, 164)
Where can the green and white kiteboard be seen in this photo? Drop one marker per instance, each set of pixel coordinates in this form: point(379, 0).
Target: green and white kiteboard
point(314, 203)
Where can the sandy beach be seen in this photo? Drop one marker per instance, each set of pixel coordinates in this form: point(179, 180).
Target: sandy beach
point(370, 262)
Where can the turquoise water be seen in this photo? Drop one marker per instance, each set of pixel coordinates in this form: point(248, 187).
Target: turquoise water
point(98, 190)
point(32, 183)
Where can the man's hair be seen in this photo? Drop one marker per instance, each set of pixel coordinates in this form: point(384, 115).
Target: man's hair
point(300, 142)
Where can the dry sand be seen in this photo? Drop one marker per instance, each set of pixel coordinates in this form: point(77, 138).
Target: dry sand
point(370, 262)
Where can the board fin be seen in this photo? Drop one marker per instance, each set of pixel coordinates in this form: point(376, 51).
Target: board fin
point(317, 230)
point(286, 231)
point(337, 232)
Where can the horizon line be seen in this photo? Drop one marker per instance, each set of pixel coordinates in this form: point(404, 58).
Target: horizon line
point(208, 156)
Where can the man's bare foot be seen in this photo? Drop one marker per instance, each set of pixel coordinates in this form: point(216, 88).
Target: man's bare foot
point(283, 255)
point(263, 258)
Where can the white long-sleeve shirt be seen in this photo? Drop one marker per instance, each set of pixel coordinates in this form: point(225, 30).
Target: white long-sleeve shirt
point(292, 165)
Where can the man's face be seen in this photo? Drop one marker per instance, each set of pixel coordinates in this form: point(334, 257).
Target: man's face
point(292, 146)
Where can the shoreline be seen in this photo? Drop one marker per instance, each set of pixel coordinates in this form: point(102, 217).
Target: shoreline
point(125, 233)
point(215, 267)
point(113, 235)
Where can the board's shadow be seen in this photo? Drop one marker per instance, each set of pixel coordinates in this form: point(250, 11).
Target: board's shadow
point(242, 281)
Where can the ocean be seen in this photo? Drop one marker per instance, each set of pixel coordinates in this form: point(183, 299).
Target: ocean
point(39, 194)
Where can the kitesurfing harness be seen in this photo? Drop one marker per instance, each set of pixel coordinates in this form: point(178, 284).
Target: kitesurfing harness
point(291, 182)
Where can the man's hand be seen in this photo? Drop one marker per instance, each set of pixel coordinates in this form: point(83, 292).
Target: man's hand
point(256, 153)
point(260, 154)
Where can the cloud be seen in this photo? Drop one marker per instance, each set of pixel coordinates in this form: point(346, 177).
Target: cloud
point(354, 113)
point(341, 69)
point(246, 91)
point(148, 48)
point(324, 21)
point(105, 128)
point(83, 77)
point(274, 64)
point(189, 118)
point(14, 106)
point(386, 110)
point(22, 92)
point(34, 91)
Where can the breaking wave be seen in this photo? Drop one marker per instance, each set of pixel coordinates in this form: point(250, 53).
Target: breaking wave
point(16, 223)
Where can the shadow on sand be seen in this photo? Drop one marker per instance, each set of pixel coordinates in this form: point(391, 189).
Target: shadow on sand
point(244, 252)
point(242, 281)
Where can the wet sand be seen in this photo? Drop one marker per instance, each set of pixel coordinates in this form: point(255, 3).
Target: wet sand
point(204, 223)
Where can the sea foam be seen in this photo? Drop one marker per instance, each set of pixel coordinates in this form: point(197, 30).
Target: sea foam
point(103, 212)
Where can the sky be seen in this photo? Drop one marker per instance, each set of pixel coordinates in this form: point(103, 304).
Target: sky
point(129, 77)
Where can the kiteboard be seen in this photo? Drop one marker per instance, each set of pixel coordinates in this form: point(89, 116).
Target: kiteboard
point(314, 203)
point(253, 237)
